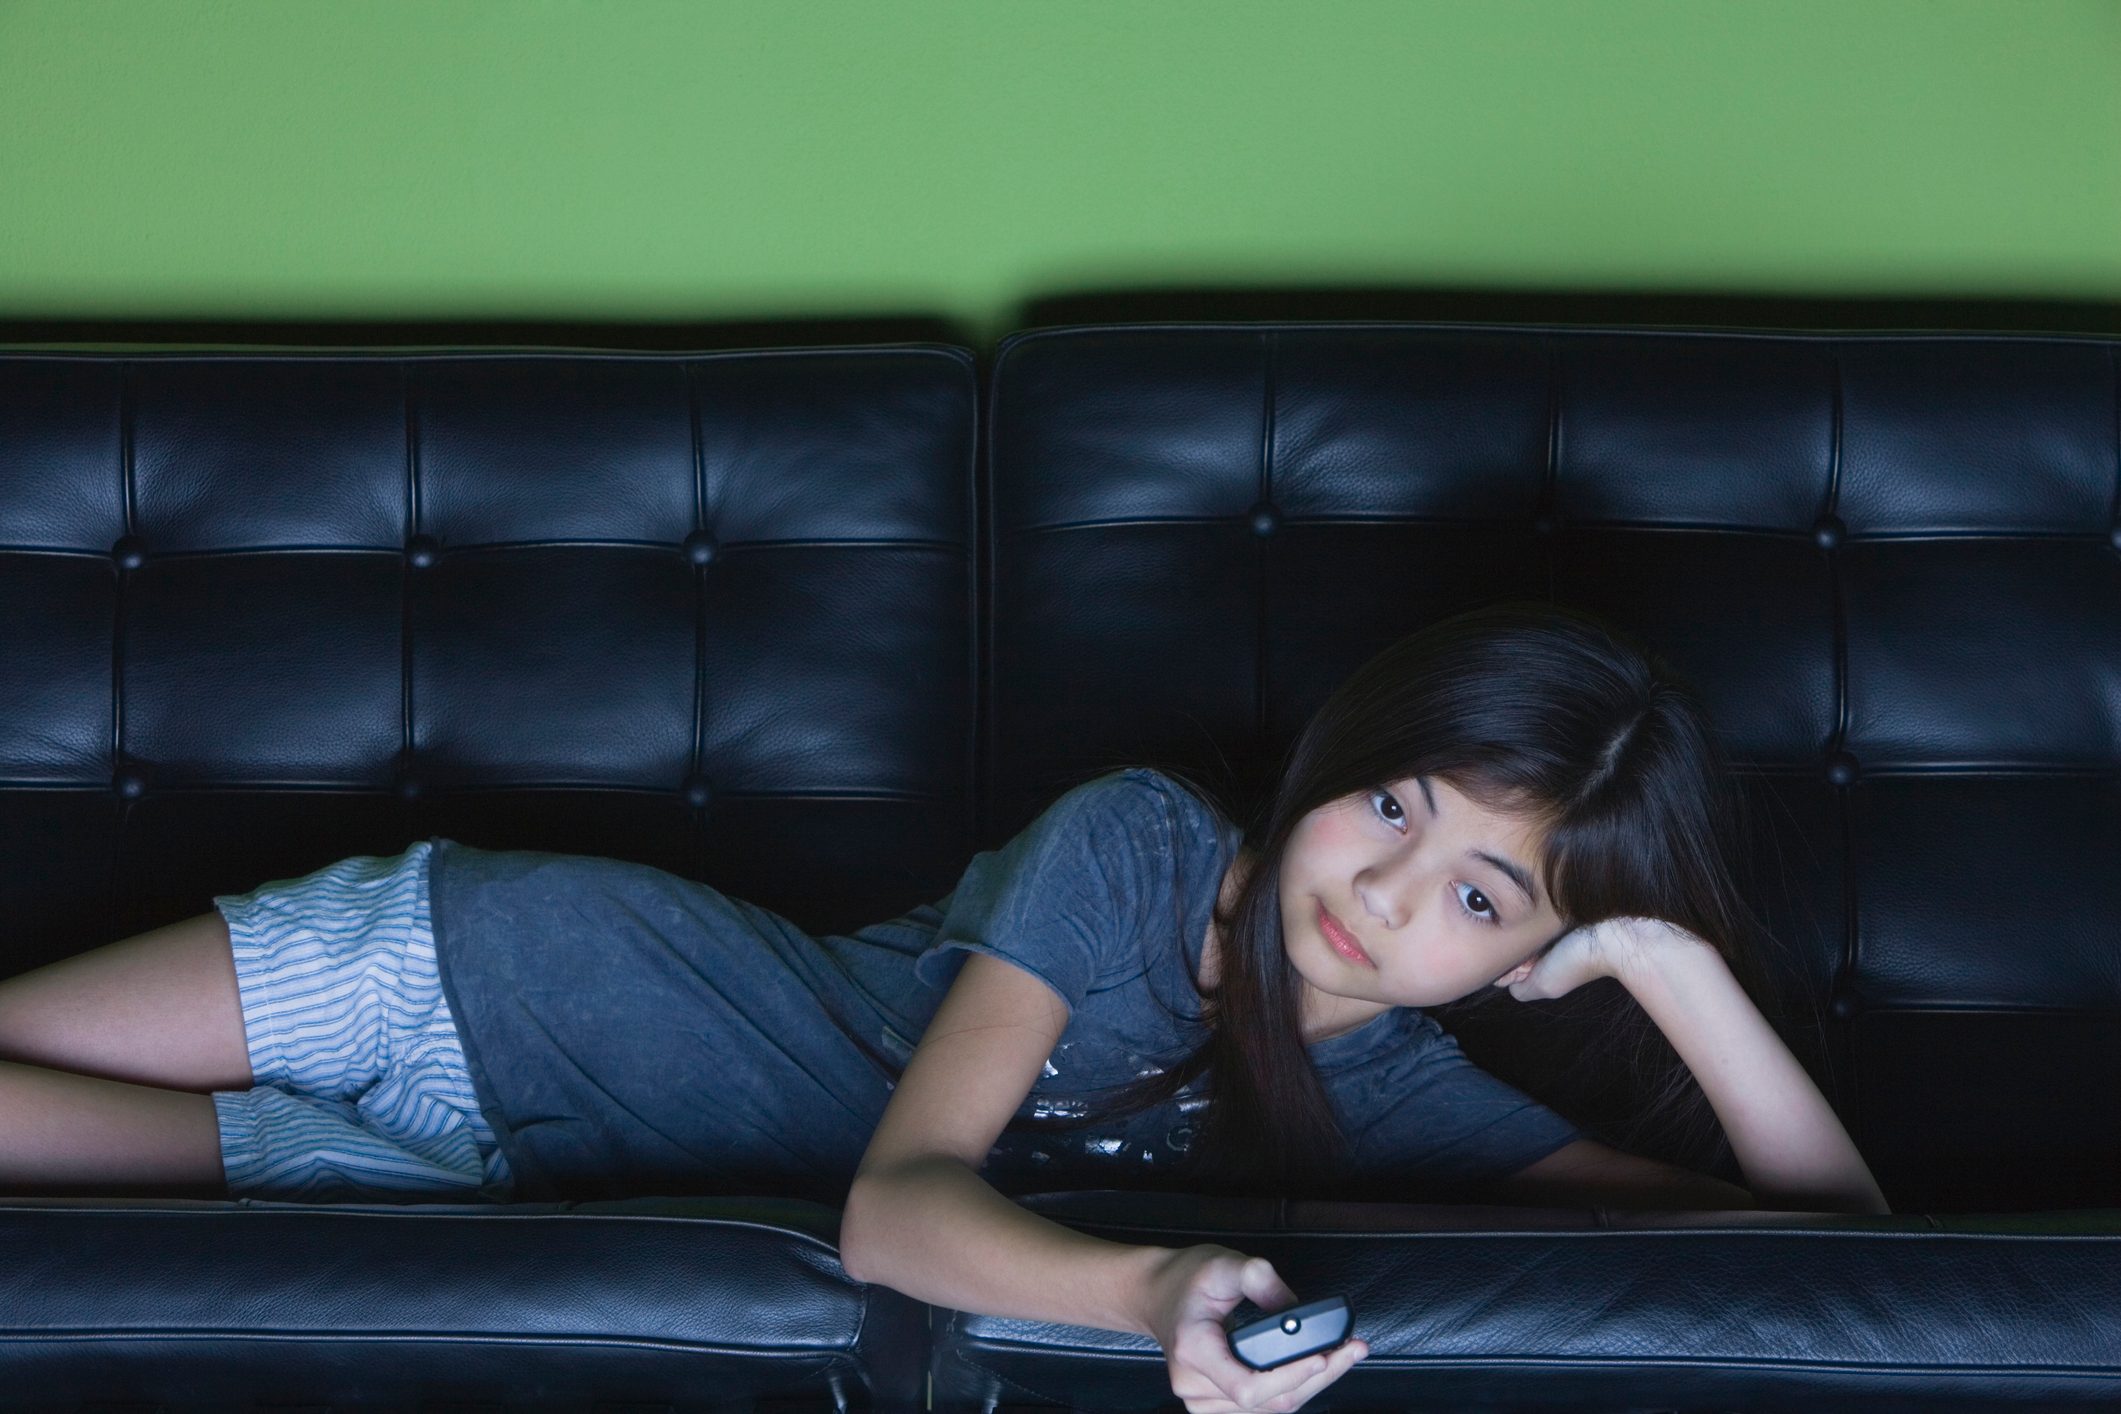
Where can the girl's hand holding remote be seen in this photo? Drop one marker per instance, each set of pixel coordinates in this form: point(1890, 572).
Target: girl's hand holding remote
point(1190, 1294)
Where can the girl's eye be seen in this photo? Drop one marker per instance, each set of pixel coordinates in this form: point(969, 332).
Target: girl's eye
point(1377, 795)
point(1481, 909)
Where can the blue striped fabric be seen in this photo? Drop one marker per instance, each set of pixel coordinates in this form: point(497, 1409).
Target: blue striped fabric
point(361, 1090)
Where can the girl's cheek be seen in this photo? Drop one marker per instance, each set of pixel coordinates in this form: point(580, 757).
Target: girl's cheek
point(1329, 829)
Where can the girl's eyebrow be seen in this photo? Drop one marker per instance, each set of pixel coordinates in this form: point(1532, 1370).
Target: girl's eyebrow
point(1515, 873)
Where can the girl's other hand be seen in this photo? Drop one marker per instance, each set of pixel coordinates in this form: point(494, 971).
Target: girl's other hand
point(1582, 954)
point(1191, 1293)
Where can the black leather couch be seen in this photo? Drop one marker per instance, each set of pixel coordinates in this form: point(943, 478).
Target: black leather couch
point(815, 625)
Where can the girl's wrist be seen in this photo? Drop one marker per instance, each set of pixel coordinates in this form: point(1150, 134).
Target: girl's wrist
point(1651, 952)
point(1144, 1267)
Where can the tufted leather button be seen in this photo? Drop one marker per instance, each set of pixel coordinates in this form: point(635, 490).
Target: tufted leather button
point(423, 550)
point(698, 791)
point(699, 547)
point(1545, 523)
point(2113, 537)
point(1844, 1005)
point(408, 787)
point(1841, 768)
point(129, 552)
point(1827, 532)
point(1265, 519)
point(131, 784)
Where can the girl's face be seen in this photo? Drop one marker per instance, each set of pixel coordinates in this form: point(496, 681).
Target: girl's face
point(1440, 894)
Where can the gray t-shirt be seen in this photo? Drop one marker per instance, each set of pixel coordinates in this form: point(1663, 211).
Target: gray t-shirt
point(629, 1031)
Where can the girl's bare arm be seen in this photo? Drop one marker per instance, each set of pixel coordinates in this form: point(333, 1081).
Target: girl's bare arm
point(935, 1230)
point(1795, 1155)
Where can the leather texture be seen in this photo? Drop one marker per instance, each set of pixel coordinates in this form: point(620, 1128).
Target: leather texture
point(816, 625)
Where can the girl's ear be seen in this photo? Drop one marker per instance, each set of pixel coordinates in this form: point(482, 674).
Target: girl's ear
point(1518, 973)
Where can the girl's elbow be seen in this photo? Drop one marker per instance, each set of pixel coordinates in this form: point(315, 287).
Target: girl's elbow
point(1857, 1205)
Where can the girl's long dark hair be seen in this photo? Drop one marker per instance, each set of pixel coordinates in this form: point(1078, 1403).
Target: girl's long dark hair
point(1537, 710)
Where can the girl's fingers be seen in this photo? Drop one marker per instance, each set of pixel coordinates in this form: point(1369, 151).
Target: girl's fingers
point(1276, 1383)
point(1338, 1363)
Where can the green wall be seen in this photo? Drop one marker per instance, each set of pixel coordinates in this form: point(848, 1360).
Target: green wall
point(655, 160)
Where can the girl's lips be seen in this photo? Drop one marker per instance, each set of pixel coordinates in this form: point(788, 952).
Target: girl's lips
point(1343, 942)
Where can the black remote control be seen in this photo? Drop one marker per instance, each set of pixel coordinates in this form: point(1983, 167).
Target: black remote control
point(1282, 1336)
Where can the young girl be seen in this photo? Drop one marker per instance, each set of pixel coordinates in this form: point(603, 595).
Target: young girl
point(1146, 986)
point(1518, 798)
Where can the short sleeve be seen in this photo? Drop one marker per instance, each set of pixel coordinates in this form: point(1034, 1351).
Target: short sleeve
point(1071, 896)
point(1452, 1126)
